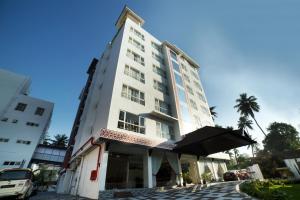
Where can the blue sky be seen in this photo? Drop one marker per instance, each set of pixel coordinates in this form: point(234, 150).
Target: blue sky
point(242, 46)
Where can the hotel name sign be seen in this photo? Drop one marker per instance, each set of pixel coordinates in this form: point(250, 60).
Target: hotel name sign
point(133, 138)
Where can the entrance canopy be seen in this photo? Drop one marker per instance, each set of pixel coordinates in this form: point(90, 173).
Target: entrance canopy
point(209, 140)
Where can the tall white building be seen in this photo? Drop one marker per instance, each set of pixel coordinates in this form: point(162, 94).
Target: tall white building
point(24, 120)
point(142, 95)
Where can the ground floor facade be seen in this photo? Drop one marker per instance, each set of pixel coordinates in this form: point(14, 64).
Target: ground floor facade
point(116, 166)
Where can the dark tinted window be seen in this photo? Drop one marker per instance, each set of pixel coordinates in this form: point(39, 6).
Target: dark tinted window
point(21, 107)
point(15, 175)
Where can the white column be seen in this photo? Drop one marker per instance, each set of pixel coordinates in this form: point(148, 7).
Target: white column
point(214, 170)
point(179, 177)
point(148, 181)
point(103, 168)
point(199, 170)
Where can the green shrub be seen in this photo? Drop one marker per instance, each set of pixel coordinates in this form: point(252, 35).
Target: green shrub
point(263, 190)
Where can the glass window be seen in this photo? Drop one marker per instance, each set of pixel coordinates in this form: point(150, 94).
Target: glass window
point(162, 106)
point(178, 79)
point(198, 85)
point(173, 55)
point(134, 73)
point(133, 94)
point(39, 111)
point(156, 46)
point(186, 78)
point(185, 113)
point(193, 104)
point(136, 44)
point(158, 57)
point(181, 95)
point(21, 107)
point(158, 70)
point(183, 67)
point(165, 131)
point(175, 66)
point(136, 57)
point(190, 90)
point(160, 87)
point(131, 122)
point(201, 97)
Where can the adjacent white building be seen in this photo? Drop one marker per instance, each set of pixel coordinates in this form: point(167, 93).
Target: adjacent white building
point(141, 96)
point(24, 120)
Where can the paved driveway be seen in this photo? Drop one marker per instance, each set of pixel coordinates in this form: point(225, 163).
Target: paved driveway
point(221, 191)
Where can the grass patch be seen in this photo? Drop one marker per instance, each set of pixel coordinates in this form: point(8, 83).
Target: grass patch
point(272, 190)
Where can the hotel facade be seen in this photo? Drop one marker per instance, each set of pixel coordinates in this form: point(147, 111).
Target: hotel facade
point(141, 96)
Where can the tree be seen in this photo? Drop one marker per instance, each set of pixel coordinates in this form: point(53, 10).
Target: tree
point(247, 106)
point(281, 137)
point(213, 112)
point(60, 140)
point(245, 123)
point(46, 139)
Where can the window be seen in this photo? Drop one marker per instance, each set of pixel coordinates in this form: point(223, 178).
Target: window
point(4, 139)
point(32, 124)
point(133, 94)
point(183, 67)
point(160, 87)
point(198, 85)
point(136, 44)
point(159, 71)
point(205, 110)
point(156, 46)
point(131, 122)
point(23, 142)
point(185, 113)
point(186, 78)
point(162, 106)
point(136, 57)
point(195, 75)
point(39, 111)
point(193, 104)
point(157, 57)
point(178, 79)
point(197, 121)
point(5, 119)
point(11, 163)
point(137, 33)
point(173, 55)
point(175, 66)
point(190, 90)
point(134, 73)
point(21, 107)
point(181, 95)
point(201, 97)
point(165, 131)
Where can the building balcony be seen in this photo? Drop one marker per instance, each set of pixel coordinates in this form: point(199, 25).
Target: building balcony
point(162, 113)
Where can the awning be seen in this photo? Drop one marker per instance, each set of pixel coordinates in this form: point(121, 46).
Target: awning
point(209, 140)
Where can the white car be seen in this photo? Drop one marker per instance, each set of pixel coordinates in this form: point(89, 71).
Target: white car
point(16, 183)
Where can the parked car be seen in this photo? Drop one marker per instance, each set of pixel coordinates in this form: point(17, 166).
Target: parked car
point(230, 176)
point(16, 183)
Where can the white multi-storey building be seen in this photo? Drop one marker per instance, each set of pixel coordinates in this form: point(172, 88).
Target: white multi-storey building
point(24, 120)
point(141, 96)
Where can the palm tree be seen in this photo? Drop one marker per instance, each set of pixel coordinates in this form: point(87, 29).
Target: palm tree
point(247, 106)
point(213, 112)
point(245, 123)
point(60, 140)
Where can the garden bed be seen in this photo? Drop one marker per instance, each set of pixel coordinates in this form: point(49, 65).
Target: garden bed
point(272, 189)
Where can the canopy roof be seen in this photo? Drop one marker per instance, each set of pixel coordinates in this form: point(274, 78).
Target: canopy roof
point(209, 140)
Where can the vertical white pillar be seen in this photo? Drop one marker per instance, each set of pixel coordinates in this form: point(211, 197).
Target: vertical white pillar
point(199, 170)
point(148, 181)
point(214, 170)
point(103, 168)
point(179, 177)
